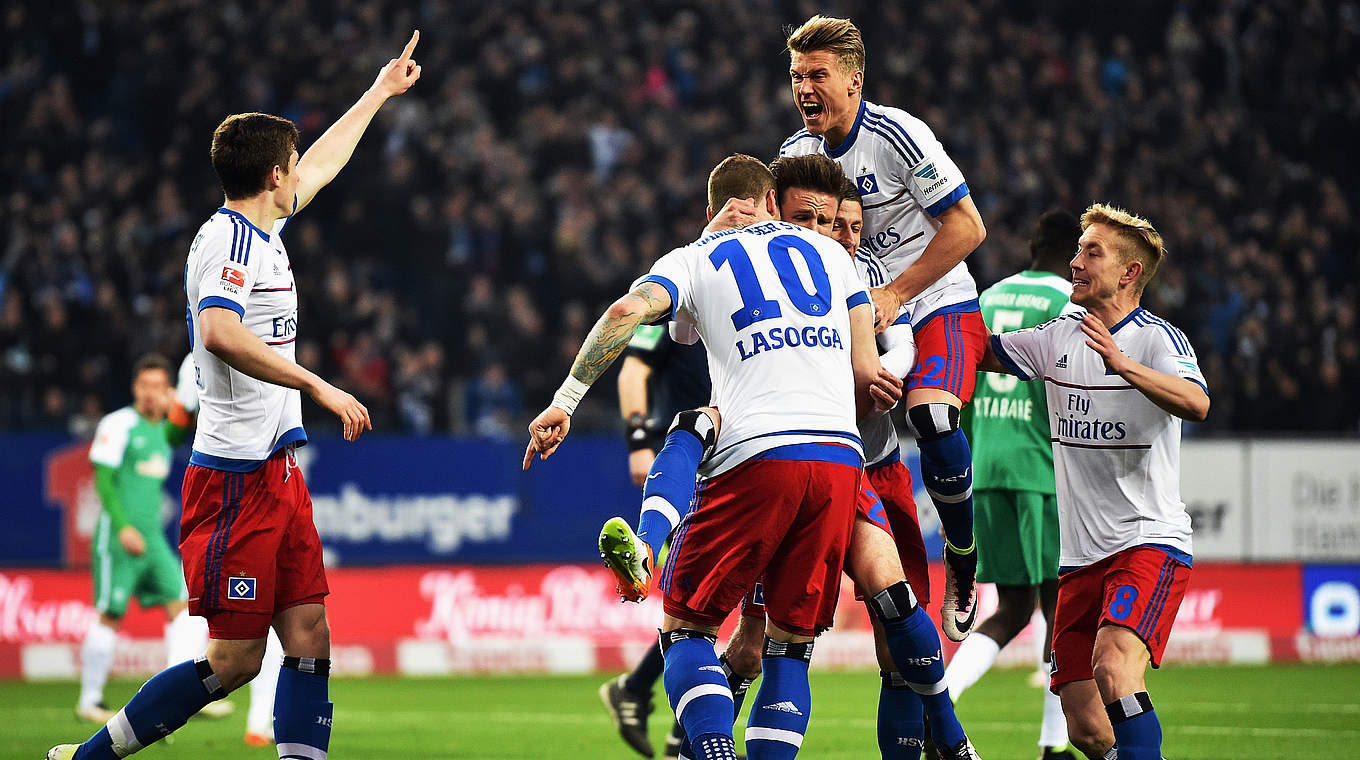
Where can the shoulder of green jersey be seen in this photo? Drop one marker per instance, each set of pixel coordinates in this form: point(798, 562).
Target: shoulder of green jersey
point(647, 337)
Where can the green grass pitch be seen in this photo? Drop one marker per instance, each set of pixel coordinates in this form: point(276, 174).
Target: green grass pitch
point(1207, 713)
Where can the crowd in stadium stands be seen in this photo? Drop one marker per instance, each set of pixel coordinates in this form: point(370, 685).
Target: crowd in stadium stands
point(552, 151)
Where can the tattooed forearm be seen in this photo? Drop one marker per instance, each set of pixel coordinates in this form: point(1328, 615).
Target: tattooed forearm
point(611, 333)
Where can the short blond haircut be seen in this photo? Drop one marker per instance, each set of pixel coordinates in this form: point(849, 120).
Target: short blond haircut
point(1140, 239)
point(838, 36)
point(738, 176)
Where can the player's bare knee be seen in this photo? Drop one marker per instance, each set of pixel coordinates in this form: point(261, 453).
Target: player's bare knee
point(235, 662)
point(743, 650)
point(1092, 741)
point(304, 631)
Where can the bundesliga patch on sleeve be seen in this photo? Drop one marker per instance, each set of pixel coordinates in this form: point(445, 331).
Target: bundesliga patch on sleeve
point(233, 279)
point(241, 588)
point(929, 179)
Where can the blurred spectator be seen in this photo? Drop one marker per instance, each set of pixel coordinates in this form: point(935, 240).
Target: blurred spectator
point(552, 151)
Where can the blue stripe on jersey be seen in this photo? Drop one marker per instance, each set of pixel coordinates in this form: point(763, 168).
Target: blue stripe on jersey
point(874, 269)
point(940, 206)
point(812, 452)
point(800, 134)
point(224, 302)
point(1196, 382)
point(237, 216)
point(862, 297)
point(245, 249)
point(235, 239)
point(897, 147)
point(670, 288)
point(903, 319)
point(1178, 340)
point(899, 129)
point(840, 150)
point(1125, 320)
point(227, 464)
point(878, 126)
point(832, 433)
point(1006, 360)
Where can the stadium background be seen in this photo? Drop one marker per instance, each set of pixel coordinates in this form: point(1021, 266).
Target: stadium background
point(550, 152)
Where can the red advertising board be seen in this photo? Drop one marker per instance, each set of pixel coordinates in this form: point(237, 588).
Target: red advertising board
point(436, 619)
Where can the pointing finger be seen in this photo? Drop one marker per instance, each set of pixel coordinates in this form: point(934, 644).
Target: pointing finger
point(410, 46)
point(528, 455)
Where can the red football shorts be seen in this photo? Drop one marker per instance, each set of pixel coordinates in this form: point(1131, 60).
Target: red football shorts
point(949, 347)
point(892, 484)
point(1139, 588)
point(249, 546)
point(783, 521)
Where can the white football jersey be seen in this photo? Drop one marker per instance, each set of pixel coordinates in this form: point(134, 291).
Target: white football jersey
point(772, 305)
point(1116, 455)
point(235, 265)
point(186, 385)
point(906, 180)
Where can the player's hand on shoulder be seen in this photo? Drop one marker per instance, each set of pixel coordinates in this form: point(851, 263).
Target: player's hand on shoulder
point(399, 73)
point(132, 541)
point(886, 308)
point(546, 433)
point(885, 391)
point(353, 415)
point(735, 214)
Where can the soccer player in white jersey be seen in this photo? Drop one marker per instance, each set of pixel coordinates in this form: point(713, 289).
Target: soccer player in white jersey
point(789, 331)
point(1119, 380)
point(251, 554)
point(920, 223)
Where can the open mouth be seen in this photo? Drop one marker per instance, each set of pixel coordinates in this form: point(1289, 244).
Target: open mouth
point(811, 110)
point(1076, 282)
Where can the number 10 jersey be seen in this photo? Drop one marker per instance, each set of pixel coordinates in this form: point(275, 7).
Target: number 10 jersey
point(772, 305)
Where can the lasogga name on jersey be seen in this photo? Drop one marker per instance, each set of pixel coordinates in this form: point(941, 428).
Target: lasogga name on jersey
point(1071, 426)
point(790, 337)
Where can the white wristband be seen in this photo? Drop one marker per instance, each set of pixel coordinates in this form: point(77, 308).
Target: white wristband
point(569, 395)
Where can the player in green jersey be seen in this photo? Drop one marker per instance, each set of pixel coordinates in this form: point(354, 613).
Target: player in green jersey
point(131, 455)
point(1016, 511)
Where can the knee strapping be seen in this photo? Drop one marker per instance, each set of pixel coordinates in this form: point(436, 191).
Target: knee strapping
point(894, 602)
point(698, 424)
point(801, 650)
point(933, 421)
point(669, 638)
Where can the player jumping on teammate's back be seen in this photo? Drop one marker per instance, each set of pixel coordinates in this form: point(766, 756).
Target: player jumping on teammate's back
point(1017, 510)
point(919, 225)
point(780, 496)
point(1122, 379)
point(251, 552)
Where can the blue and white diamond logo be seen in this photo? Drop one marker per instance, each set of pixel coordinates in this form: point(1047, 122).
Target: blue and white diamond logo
point(867, 184)
point(241, 588)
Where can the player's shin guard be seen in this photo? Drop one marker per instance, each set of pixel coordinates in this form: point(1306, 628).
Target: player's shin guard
point(669, 489)
point(302, 708)
point(698, 692)
point(162, 705)
point(783, 705)
point(915, 647)
point(946, 468)
point(1137, 732)
point(901, 728)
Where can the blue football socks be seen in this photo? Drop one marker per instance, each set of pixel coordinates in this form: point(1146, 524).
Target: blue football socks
point(698, 692)
point(302, 708)
point(915, 647)
point(669, 489)
point(1137, 732)
point(783, 704)
point(163, 704)
point(947, 469)
point(901, 727)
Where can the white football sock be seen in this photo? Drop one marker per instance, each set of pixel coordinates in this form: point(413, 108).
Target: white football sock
point(96, 655)
point(974, 656)
point(260, 717)
point(186, 637)
point(1053, 732)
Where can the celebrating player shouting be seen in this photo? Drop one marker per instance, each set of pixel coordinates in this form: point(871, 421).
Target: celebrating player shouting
point(1119, 381)
point(920, 223)
point(792, 355)
point(252, 557)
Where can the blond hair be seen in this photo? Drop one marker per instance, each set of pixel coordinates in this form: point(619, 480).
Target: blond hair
point(738, 176)
point(838, 36)
point(1140, 239)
